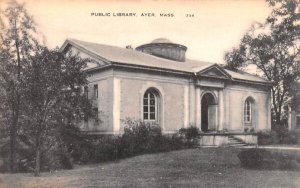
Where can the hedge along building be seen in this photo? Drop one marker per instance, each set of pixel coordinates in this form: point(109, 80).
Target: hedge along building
point(156, 83)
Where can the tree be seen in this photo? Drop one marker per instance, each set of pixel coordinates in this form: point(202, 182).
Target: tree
point(54, 99)
point(273, 47)
point(16, 47)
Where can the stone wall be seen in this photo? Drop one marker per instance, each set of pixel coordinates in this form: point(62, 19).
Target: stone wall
point(171, 97)
point(235, 97)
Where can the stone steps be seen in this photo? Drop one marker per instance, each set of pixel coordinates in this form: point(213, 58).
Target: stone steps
point(235, 142)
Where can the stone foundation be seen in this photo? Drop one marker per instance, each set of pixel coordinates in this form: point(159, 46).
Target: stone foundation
point(221, 139)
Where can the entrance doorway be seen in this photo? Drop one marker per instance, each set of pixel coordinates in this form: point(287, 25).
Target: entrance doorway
point(208, 112)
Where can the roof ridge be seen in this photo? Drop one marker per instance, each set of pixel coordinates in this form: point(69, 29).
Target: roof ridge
point(135, 51)
point(72, 39)
point(116, 54)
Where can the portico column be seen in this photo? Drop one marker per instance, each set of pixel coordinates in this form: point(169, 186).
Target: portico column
point(116, 104)
point(221, 110)
point(192, 105)
point(198, 108)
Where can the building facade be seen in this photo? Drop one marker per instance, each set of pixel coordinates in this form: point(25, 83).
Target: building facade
point(157, 83)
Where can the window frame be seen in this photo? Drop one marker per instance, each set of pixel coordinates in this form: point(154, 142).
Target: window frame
point(150, 111)
point(248, 105)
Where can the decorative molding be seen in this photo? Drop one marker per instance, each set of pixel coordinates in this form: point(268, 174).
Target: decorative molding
point(251, 90)
point(152, 79)
point(212, 93)
point(217, 68)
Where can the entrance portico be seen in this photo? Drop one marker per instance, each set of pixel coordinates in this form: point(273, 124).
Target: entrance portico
point(208, 112)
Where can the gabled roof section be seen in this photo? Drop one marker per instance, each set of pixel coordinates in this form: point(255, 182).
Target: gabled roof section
point(213, 70)
point(241, 75)
point(112, 55)
point(78, 45)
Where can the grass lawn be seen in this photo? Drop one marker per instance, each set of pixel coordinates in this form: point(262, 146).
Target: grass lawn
point(205, 167)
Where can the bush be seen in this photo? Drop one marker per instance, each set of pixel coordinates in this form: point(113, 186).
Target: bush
point(291, 137)
point(190, 135)
point(282, 137)
point(74, 147)
point(105, 149)
point(138, 138)
point(191, 132)
point(267, 138)
point(264, 159)
point(53, 158)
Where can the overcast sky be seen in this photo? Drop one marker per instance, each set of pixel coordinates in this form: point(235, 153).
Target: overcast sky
point(216, 27)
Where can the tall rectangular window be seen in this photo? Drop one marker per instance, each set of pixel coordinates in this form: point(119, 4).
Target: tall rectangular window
point(247, 111)
point(96, 91)
point(150, 105)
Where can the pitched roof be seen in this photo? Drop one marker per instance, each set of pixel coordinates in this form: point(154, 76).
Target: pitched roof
point(111, 54)
point(240, 75)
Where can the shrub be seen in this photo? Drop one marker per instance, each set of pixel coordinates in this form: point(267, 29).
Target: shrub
point(190, 132)
point(170, 143)
point(190, 135)
point(273, 137)
point(265, 159)
point(267, 137)
point(105, 149)
point(140, 137)
point(53, 158)
point(291, 137)
point(75, 147)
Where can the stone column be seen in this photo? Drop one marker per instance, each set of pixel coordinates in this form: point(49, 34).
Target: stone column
point(192, 100)
point(116, 104)
point(186, 106)
point(198, 108)
point(221, 110)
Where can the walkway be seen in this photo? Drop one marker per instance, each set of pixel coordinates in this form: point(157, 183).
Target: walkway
point(285, 147)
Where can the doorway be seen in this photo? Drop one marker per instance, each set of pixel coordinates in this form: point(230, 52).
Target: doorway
point(208, 112)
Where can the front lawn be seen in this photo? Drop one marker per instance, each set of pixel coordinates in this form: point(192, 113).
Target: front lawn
point(205, 167)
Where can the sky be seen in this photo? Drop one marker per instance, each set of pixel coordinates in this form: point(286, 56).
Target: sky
point(208, 28)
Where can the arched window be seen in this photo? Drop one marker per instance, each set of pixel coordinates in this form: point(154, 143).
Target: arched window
point(248, 110)
point(151, 105)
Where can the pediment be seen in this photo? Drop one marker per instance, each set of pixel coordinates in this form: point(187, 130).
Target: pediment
point(83, 52)
point(215, 72)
